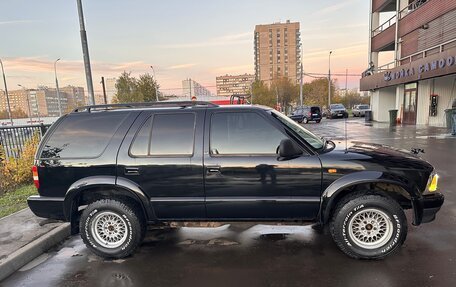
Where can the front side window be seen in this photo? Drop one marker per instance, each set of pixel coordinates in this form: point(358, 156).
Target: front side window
point(165, 135)
point(306, 135)
point(243, 133)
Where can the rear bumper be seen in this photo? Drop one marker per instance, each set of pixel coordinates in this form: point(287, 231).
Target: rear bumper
point(47, 207)
point(426, 207)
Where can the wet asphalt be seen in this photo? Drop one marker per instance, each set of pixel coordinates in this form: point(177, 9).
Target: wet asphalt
point(267, 255)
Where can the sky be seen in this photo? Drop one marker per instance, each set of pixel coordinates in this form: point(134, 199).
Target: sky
point(198, 39)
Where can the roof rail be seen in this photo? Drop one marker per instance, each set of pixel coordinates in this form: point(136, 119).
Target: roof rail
point(182, 104)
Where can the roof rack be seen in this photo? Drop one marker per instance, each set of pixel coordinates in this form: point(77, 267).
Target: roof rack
point(181, 104)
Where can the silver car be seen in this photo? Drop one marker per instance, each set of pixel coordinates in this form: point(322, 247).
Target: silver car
point(360, 110)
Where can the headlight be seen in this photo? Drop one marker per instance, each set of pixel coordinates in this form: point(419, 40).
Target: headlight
point(432, 184)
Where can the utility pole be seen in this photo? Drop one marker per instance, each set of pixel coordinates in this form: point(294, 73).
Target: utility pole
point(85, 52)
point(57, 87)
point(329, 80)
point(346, 80)
point(6, 94)
point(104, 90)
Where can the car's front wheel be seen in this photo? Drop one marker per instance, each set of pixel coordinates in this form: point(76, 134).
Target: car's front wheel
point(368, 226)
point(111, 228)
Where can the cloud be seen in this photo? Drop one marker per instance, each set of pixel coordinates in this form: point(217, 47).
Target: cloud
point(230, 39)
point(182, 66)
point(13, 22)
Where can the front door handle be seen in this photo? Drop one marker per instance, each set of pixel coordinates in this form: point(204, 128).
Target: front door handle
point(213, 169)
point(132, 171)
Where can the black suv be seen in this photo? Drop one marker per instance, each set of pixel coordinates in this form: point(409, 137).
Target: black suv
point(306, 114)
point(336, 111)
point(112, 169)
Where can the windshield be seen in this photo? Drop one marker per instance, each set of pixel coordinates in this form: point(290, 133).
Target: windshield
point(365, 107)
point(306, 135)
point(337, 106)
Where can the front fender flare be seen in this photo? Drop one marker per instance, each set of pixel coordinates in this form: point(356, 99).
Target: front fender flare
point(331, 193)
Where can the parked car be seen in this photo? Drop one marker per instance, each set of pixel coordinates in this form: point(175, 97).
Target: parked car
point(111, 170)
point(360, 110)
point(306, 114)
point(336, 111)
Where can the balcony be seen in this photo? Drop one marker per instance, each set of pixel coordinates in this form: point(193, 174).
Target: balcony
point(383, 5)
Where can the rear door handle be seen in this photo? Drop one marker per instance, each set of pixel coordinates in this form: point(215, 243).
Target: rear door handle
point(213, 169)
point(132, 171)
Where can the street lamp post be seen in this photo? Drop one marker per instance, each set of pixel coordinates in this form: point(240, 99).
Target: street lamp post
point(28, 102)
point(85, 52)
point(156, 85)
point(329, 80)
point(57, 87)
point(6, 94)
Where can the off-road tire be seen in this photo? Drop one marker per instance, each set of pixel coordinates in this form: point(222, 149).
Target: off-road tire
point(354, 205)
point(132, 217)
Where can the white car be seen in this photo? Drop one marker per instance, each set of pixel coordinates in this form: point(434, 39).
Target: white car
point(360, 110)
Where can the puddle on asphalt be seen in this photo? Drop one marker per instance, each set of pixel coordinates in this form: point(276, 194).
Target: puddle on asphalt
point(228, 235)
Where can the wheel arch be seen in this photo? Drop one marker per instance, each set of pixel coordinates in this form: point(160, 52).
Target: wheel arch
point(378, 182)
point(90, 189)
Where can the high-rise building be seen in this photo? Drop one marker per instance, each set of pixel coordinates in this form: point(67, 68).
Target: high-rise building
point(111, 90)
point(234, 85)
point(18, 101)
point(75, 96)
point(277, 51)
point(191, 88)
point(412, 64)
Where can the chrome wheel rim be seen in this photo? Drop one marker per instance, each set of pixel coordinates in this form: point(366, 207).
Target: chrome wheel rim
point(109, 229)
point(370, 228)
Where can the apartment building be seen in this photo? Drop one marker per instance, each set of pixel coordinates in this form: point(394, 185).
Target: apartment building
point(191, 88)
point(277, 49)
point(43, 101)
point(18, 101)
point(412, 60)
point(228, 85)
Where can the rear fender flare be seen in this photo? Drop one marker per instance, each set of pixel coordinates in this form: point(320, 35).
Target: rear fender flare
point(109, 182)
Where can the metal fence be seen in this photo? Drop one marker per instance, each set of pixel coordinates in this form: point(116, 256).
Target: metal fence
point(13, 139)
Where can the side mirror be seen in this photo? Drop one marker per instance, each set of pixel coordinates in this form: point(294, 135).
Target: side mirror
point(288, 150)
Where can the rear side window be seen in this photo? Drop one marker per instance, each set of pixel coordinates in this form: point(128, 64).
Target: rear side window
point(165, 135)
point(83, 135)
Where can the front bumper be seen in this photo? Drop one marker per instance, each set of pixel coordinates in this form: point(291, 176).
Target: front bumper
point(47, 207)
point(426, 207)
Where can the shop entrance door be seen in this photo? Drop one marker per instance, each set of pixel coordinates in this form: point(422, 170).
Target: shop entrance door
point(410, 99)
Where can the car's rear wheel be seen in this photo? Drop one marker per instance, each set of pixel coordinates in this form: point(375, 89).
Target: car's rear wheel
point(318, 121)
point(368, 226)
point(111, 228)
point(305, 120)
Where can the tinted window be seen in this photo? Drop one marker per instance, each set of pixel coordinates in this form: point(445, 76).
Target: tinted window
point(171, 134)
point(315, 110)
point(82, 135)
point(337, 106)
point(363, 107)
point(243, 133)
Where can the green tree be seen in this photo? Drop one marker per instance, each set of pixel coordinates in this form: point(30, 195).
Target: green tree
point(147, 87)
point(316, 92)
point(262, 95)
point(132, 90)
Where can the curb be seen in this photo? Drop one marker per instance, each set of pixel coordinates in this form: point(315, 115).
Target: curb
point(33, 249)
